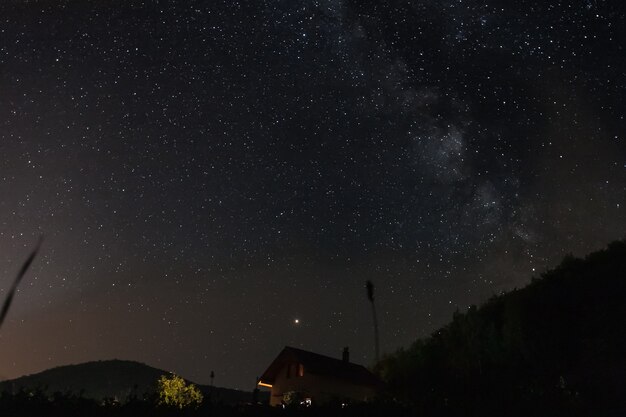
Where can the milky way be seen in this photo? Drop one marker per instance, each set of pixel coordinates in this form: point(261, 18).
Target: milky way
point(216, 180)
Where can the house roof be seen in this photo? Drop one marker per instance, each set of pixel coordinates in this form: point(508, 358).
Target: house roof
point(320, 365)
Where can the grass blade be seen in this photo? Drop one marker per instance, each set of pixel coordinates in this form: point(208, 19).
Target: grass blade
point(16, 283)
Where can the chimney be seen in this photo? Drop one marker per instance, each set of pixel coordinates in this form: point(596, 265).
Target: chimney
point(346, 355)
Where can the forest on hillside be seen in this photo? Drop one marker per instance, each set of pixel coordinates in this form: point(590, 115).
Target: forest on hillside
point(555, 347)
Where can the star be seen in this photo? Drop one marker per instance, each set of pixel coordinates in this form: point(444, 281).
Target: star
point(193, 165)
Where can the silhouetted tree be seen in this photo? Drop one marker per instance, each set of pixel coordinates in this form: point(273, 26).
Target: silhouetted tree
point(370, 296)
point(552, 348)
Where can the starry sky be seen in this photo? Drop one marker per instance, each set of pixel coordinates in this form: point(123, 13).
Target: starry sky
point(218, 179)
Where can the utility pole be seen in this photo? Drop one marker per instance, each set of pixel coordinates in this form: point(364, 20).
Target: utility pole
point(212, 387)
point(255, 391)
point(370, 296)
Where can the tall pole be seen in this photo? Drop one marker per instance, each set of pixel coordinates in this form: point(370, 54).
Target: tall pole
point(370, 296)
point(212, 386)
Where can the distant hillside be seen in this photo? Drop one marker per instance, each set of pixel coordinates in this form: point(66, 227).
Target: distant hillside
point(110, 379)
point(555, 347)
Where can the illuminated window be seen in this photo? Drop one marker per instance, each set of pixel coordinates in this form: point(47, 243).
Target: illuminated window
point(300, 369)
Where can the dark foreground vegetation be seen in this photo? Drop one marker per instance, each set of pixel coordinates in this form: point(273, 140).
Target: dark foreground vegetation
point(554, 348)
point(25, 404)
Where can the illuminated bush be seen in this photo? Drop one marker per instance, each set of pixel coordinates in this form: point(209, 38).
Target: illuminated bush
point(175, 392)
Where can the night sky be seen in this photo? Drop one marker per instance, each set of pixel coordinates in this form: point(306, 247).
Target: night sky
point(205, 173)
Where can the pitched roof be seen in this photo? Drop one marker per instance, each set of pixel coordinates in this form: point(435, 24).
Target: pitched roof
point(320, 365)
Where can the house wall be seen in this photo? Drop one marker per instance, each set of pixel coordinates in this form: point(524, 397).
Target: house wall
point(321, 389)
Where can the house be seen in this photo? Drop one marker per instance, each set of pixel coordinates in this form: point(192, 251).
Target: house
point(311, 378)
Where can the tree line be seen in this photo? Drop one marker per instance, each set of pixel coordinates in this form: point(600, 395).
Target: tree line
point(556, 347)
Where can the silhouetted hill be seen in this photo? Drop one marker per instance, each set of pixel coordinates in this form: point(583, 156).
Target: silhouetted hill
point(555, 347)
point(110, 379)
